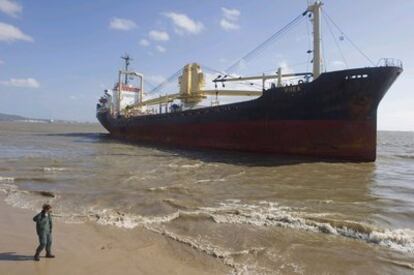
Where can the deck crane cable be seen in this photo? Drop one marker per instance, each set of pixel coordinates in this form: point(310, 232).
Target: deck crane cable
point(334, 39)
point(246, 83)
point(290, 66)
point(272, 38)
point(248, 56)
point(167, 81)
point(150, 83)
point(349, 39)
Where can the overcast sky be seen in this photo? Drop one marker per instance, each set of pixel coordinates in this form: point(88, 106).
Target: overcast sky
point(56, 57)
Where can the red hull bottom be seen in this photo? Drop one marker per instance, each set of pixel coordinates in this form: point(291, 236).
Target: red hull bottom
point(349, 140)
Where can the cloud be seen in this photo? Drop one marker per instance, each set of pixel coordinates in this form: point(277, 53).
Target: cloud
point(285, 67)
point(161, 49)
point(155, 79)
point(144, 42)
point(223, 60)
point(1, 62)
point(230, 14)
point(10, 7)
point(159, 35)
point(21, 83)
point(228, 26)
point(184, 24)
point(122, 24)
point(10, 33)
point(338, 64)
point(230, 19)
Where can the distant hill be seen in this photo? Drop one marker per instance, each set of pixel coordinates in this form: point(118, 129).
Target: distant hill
point(6, 117)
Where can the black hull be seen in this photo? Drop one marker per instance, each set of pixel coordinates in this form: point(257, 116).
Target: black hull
point(333, 116)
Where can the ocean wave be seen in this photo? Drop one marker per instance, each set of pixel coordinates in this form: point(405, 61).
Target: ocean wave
point(271, 214)
point(26, 199)
point(54, 169)
point(160, 188)
point(185, 166)
point(211, 180)
point(405, 156)
point(229, 212)
point(399, 263)
point(7, 188)
point(6, 179)
point(234, 212)
point(274, 215)
point(130, 221)
point(215, 251)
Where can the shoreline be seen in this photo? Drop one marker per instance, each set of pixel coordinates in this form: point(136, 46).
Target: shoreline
point(90, 248)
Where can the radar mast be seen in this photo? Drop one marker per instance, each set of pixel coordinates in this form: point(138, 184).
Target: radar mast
point(127, 60)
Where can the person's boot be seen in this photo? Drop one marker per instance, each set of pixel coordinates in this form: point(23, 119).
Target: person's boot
point(49, 255)
point(36, 257)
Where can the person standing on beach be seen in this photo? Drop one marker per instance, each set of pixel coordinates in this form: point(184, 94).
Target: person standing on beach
point(44, 231)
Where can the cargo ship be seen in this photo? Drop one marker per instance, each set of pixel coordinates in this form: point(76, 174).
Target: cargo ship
point(322, 115)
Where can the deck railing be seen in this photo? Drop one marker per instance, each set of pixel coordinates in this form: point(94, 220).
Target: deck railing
point(390, 62)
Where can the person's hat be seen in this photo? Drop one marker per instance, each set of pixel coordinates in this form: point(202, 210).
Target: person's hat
point(46, 206)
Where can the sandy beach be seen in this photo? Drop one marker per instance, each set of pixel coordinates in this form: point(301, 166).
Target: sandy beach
point(95, 249)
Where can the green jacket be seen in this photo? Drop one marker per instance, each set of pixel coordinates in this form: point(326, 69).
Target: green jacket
point(43, 223)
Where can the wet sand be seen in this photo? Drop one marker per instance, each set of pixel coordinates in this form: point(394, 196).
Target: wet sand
point(95, 249)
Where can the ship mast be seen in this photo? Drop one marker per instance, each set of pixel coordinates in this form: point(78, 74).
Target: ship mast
point(127, 60)
point(315, 9)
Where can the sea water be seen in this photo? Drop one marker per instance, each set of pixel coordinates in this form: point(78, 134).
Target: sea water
point(257, 214)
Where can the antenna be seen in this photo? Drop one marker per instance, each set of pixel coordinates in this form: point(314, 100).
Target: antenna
point(127, 60)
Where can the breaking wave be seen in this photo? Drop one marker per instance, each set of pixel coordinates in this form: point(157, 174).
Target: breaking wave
point(262, 214)
point(54, 169)
point(6, 179)
point(232, 212)
point(160, 188)
point(124, 220)
point(406, 156)
point(271, 214)
point(185, 166)
point(119, 219)
point(27, 199)
point(215, 251)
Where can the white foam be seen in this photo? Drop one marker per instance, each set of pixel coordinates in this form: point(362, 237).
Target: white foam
point(7, 188)
point(202, 181)
point(211, 180)
point(270, 214)
point(6, 179)
point(185, 166)
point(54, 169)
point(125, 220)
point(160, 188)
point(24, 198)
point(189, 166)
point(214, 250)
point(20, 199)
